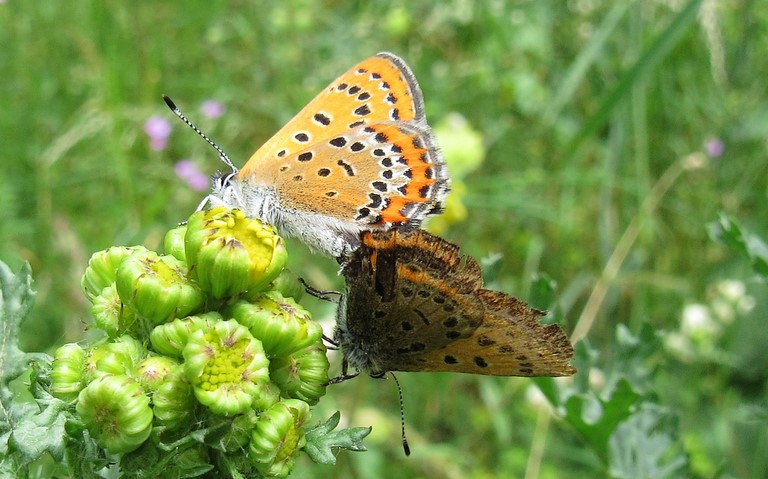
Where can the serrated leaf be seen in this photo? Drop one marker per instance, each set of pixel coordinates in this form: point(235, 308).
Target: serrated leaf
point(596, 418)
point(322, 440)
point(730, 233)
point(10, 466)
point(28, 428)
point(84, 458)
point(16, 298)
point(645, 446)
point(37, 431)
point(633, 354)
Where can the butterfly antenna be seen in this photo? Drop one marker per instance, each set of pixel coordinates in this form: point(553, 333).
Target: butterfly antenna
point(406, 448)
point(222, 156)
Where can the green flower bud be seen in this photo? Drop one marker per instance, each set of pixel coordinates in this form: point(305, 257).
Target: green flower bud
point(269, 395)
point(279, 323)
point(152, 371)
point(287, 283)
point(68, 373)
point(278, 436)
point(102, 268)
point(303, 374)
point(92, 358)
point(118, 357)
point(173, 401)
point(116, 412)
point(110, 314)
point(226, 366)
point(230, 254)
point(157, 287)
point(173, 243)
point(170, 338)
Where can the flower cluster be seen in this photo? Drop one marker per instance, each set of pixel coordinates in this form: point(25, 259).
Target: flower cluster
point(207, 335)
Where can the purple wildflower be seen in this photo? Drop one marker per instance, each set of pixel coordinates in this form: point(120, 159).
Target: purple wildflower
point(188, 171)
point(714, 147)
point(157, 129)
point(212, 108)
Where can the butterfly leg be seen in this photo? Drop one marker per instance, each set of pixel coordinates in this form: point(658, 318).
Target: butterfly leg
point(332, 344)
point(324, 295)
point(344, 374)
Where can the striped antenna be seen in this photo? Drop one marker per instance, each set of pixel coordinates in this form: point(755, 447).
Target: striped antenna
point(406, 447)
point(222, 156)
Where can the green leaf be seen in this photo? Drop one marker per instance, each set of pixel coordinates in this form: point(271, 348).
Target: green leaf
point(16, 299)
point(633, 354)
point(188, 459)
point(730, 233)
point(646, 446)
point(543, 289)
point(84, 457)
point(33, 422)
point(322, 440)
point(596, 418)
point(19, 420)
point(37, 431)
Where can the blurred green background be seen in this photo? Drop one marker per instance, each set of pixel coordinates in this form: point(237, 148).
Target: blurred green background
point(612, 135)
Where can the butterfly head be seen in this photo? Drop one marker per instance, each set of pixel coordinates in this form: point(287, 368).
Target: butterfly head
point(225, 191)
point(359, 354)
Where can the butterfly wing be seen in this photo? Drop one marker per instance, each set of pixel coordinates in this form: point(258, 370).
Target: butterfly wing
point(361, 151)
point(393, 311)
point(510, 342)
point(379, 89)
point(376, 175)
point(415, 304)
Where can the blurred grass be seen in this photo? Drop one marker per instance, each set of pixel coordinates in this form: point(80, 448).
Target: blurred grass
point(583, 106)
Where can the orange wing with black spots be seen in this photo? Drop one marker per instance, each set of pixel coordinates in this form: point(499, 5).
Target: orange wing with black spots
point(361, 151)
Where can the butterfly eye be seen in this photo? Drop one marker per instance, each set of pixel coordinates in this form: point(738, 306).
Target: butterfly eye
point(221, 181)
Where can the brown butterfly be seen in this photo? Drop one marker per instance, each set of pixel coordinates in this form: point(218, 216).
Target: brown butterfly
point(413, 303)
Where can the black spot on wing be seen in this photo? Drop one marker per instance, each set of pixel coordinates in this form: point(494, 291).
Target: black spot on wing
point(322, 119)
point(362, 110)
point(338, 142)
point(347, 167)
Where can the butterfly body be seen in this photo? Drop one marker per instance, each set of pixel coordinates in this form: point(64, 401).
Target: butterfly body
point(413, 303)
point(358, 157)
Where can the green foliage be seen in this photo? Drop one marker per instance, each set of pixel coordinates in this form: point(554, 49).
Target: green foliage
point(323, 441)
point(27, 428)
point(729, 232)
point(43, 426)
point(645, 446)
point(630, 432)
point(624, 165)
